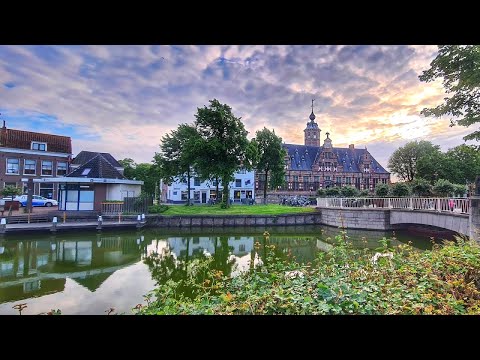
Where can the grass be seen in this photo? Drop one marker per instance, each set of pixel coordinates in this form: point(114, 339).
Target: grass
point(270, 209)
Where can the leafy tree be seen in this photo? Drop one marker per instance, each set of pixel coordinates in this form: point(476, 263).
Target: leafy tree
point(381, 190)
point(11, 191)
point(443, 187)
point(403, 161)
point(432, 166)
point(349, 191)
point(129, 166)
point(149, 175)
point(462, 164)
point(459, 67)
point(223, 145)
point(271, 156)
point(421, 187)
point(177, 156)
point(400, 189)
point(332, 191)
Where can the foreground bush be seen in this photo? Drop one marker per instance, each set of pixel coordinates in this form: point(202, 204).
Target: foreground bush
point(445, 280)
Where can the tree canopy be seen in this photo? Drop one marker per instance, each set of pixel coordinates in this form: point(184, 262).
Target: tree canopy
point(271, 156)
point(459, 67)
point(223, 147)
point(403, 161)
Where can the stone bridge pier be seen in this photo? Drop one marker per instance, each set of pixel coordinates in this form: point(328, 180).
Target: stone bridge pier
point(474, 220)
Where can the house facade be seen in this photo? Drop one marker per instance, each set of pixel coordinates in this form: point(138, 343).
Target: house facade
point(27, 154)
point(94, 178)
point(241, 189)
point(312, 166)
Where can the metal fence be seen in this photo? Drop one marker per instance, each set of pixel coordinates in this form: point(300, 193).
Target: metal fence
point(137, 205)
point(455, 205)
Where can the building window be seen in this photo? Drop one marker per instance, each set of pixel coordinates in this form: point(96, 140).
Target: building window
point(46, 190)
point(29, 167)
point(306, 179)
point(241, 247)
point(295, 178)
point(184, 196)
point(196, 196)
point(214, 182)
point(61, 168)
point(47, 168)
point(14, 184)
point(39, 146)
point(300, 186)
point(339, 179)
point(12, 166)
point(287, 178)
point(238, 182)
point(349, 180)
point(196, 181)
point(327, 177)
point(175, 192)
point(316, 178)
point(314, 136)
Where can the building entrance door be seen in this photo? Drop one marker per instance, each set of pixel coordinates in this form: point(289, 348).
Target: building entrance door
point(204, 197)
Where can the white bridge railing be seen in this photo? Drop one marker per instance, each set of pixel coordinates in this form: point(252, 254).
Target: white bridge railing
point(455, 205)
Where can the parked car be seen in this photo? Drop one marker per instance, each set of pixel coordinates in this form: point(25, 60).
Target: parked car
point(36, 201)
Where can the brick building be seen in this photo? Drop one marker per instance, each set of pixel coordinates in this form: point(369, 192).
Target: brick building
point(27, 154)
point(311, 167)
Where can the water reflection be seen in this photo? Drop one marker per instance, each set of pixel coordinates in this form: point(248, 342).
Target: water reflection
point(87, 273)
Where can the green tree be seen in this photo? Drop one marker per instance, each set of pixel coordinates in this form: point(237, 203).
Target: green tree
point(223, 142)
point(421, 187)
point(129, 166)
point(348, 191)
point(459, 190)
point(443, 187)
point(462, 164)
point(400, 189)
point(149, 175)
point(403, 161)
point(11, 191)
point(459, 67)
point(177, 157)
point(271, 156)
point(381, 190)
point(432, 166)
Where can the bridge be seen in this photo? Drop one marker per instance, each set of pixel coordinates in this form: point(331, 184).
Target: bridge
point(454, 214)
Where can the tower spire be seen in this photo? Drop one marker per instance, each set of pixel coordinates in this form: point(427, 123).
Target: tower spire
point(312, 115)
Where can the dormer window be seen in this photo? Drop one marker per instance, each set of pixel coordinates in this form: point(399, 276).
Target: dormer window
point(86, 171)
point(40, 146)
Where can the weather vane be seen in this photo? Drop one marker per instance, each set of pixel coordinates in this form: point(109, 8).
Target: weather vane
point(312, 104)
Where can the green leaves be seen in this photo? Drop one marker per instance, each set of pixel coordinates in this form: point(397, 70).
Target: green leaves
point(459, 67)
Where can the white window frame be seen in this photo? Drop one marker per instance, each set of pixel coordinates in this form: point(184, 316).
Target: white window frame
point(6, 167)
point(39, 143)
point(24, 164)
point(51, 162)
point(66, 167)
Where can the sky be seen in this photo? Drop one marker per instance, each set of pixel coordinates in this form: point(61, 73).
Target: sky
point(123, 99)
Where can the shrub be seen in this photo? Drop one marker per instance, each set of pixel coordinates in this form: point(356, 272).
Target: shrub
point(349, 191)
point(363, 193)
point(421, 187)
point(381, 190)
point(157, 209)
point(333, 191)
point(400, 189)
point(459, 190)
point(443, 187)
point(321, 193)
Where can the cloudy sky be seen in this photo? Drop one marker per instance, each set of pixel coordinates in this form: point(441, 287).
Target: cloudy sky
point(123, 99)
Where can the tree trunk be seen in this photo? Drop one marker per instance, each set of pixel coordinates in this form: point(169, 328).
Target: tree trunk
point(188, 187)
point(265, 185)
point(226, 197)
point(216, 191)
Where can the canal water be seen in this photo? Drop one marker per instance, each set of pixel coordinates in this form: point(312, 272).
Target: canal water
point(89, 272)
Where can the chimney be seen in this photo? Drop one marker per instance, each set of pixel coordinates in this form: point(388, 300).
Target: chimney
point(351, 146)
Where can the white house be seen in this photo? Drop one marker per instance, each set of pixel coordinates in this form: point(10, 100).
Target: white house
point(241, 189)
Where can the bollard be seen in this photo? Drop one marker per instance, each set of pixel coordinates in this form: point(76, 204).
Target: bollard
point(100, 221)
point(54, 224)
point(139, 219)
point(64, 217)
point(119, 217)
point(3, 225)
point(143, 217)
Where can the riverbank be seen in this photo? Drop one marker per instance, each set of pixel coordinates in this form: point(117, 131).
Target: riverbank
point(270, 209)
point(444, 280)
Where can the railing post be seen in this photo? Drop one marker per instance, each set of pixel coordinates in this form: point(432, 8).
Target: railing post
point(389, 203)
point(341, 202)
point(410, 205)
point(439, 209)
